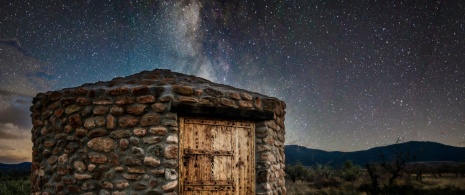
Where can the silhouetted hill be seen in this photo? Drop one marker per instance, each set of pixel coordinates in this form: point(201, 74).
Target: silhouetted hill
point(423, 151)
point(24, 167)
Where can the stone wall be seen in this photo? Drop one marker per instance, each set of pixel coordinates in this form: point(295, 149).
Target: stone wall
point(121, 136)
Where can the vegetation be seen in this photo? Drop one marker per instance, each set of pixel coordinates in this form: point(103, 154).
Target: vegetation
point(14, 183)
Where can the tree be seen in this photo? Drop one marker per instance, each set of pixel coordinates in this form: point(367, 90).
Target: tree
point(401, 157)
point(296, 172)
point(350, 172)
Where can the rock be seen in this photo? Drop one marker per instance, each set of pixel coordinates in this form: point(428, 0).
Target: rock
point(63, 159)
point(72, 109)
point(150, 119)
point(75, 120)
point(145, 99)
point(135, 169)
point(246, 96)
point(132, 161)
point(171, 174)
point(159, 107)
point(159, 130)
point(132, 176)
point(171, 152)
point(170, 186)
point(139, 132)
point(123, 144)
point(172, 139)
point(111, 122)
point(183, 90)
point(136, 109)
point(100, 110)
point(121, 185)
point(245, 104)
point(227, 102)
point(99, 132)
point(107, 185)
point(234, 95)
point(188, 99)
point(52, 160)
point(137, 151)
point(118, 134)
point(97, 158)
point(151, 161)
point(79, 166)
point(124, 100)
point(82, 176)
point(102, 144)
point(151, 139)
point(128, 121)
point(94, 122)
point(116, 110)
point(139, 186)
point(103, 101)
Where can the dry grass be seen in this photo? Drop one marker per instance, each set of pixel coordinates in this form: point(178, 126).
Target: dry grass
point(428, 183)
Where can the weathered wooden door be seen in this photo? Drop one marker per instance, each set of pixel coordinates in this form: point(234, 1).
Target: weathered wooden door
point(216, 157)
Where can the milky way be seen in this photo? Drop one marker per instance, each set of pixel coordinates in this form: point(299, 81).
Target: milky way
point(354, 75)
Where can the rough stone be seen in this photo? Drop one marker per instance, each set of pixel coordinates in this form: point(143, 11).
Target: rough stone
point(139, 186)
point(75, 120)
point(111, 122)
point(72, 109)
point(227, 102)
point(145, 99)
point(183, 90)
point(136, 109)
point(80, 166)
point(132, 161)
point(245, 104)
point(82, 176)
point(116, 110)
point(135, 169)
point(188, 99)
point(121, 185)
point(157, 172)
point(124, 100)
point(137, 151)
point(171, 174)
point(246, 96)
point(123, 144)
point(107, 185)
point(100, 110)
point(63, 159)
point(102, 144)
point(134, 140)
point(172, 139)
point(139, 132)
point(171, 152)
point(118, 134)
point(159, 130)
point(128, 121)
point(98, 132)
point(170, 186)
point(103, 101)
point(132, 176)
point(159, 107)
point(52, 160)
point(97, 158)
point(151, 161)
point(151, 139)
point(94, 122)
point(150, 119)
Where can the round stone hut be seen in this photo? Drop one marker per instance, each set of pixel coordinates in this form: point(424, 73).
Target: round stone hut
point(157, 132)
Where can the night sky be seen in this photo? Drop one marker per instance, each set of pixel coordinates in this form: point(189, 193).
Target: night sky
point(354, 74)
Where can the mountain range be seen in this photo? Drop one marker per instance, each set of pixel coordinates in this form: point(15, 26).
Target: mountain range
point(420, 151)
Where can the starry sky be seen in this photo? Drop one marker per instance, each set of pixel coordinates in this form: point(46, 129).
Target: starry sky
point(354, 74)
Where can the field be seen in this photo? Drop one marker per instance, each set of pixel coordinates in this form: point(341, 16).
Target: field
point(430, 184)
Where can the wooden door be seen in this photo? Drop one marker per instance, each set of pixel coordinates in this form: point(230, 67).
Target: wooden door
point(216, 157)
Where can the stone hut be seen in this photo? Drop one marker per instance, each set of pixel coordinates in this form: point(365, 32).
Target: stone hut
point(157, 132)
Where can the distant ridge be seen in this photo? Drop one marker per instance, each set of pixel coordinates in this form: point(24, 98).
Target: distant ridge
point(15, 168)
point(423, 151)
